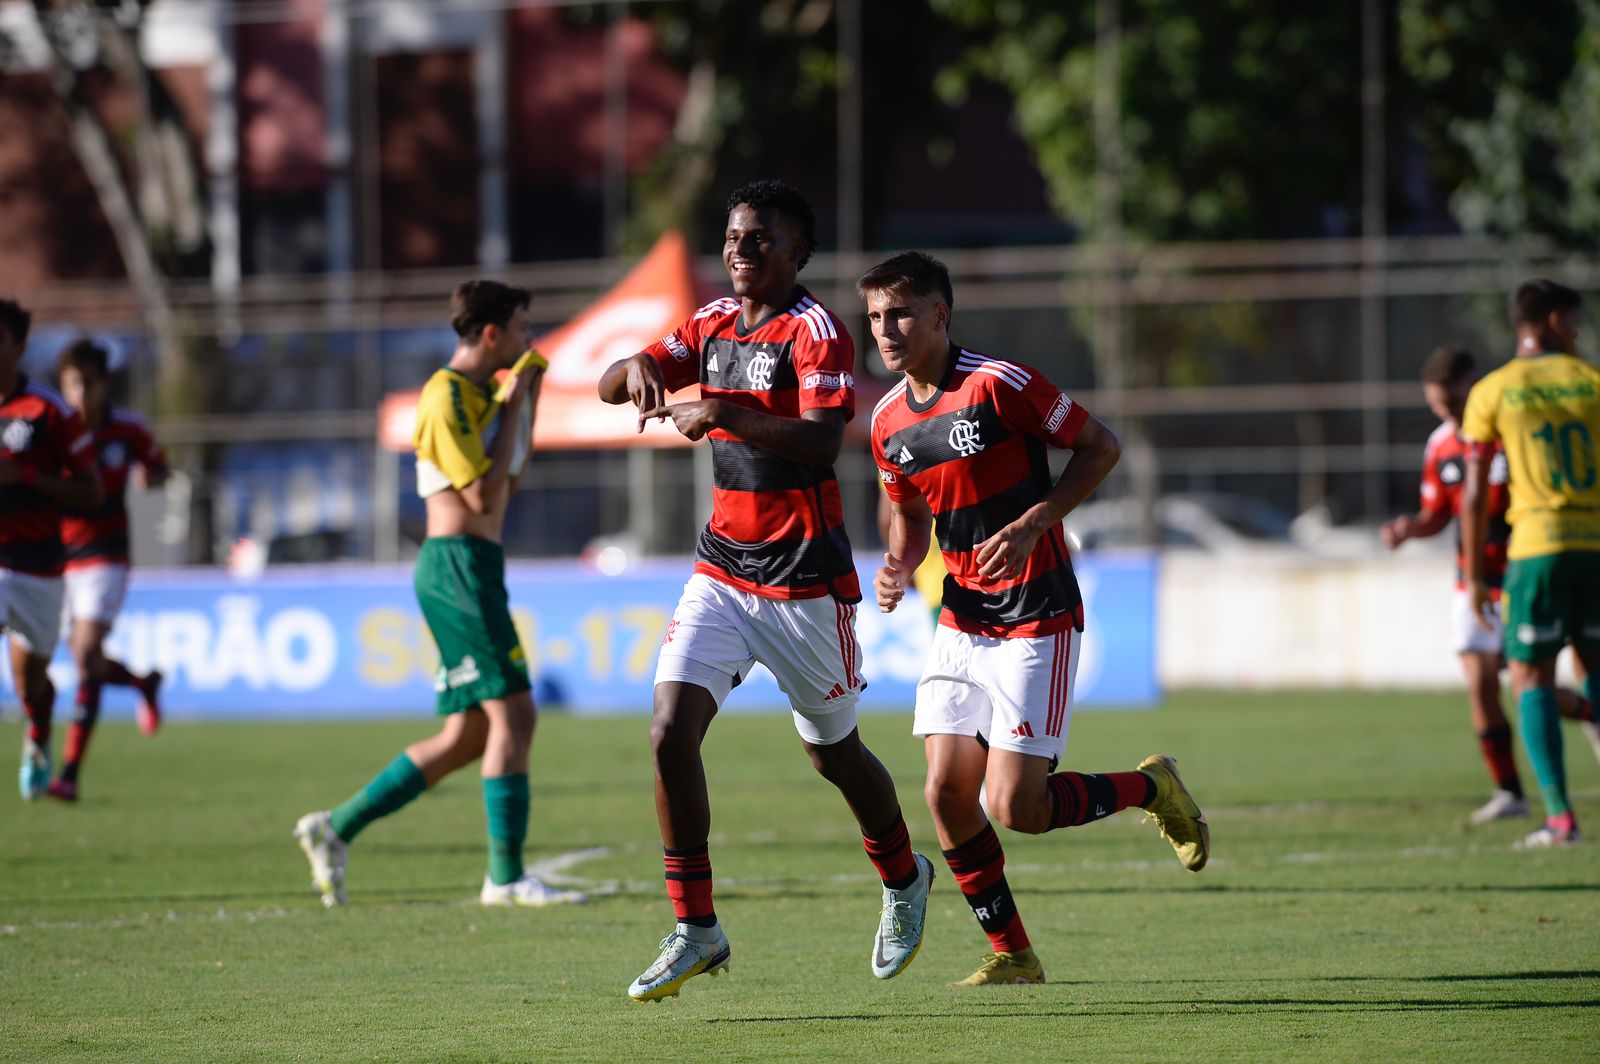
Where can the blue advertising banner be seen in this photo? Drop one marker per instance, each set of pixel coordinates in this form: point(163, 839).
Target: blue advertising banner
point(346, 642)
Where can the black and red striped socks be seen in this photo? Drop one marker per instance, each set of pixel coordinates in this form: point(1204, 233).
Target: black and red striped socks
point(689, 884)
point(979, 867)
point(889, 851)
point(1081, 798)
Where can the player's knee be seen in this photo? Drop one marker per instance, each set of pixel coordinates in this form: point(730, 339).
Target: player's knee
point(671, 737)
point(836, 761)
point(946, 798)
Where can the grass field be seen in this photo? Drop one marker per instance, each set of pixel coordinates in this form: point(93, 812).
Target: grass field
point(1347, 913)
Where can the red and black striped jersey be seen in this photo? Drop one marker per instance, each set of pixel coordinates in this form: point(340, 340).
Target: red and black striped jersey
point(1444, 481)
point(777, 525)
point(977, 451)
point(99, 536)
point(40, 431)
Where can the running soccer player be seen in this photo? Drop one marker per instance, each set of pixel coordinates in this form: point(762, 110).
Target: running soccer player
point(960, 447)
point(773, 577)
point(1543, 407)
point(46, 462)
point(97, 552)
point(1447, 376)
point(471, 448)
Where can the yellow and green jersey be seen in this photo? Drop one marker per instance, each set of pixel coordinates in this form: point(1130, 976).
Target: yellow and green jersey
point(457, 419)
point(1545, 411)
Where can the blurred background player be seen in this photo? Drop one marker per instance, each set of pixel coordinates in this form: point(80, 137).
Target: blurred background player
point(1447, 377)
point(470, 451)
point(773, 578)
point(960, 444)
point(96, 544)
point(1543, 406)
point(46, 462)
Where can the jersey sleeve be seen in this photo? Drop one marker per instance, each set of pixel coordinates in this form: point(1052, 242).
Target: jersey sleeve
point(678, 355)
point(149, 451)
point(825, 363)
point(446, 438)
point(1432, 494)
point(73, 442)
point(1039, 409)
point(1479, 425)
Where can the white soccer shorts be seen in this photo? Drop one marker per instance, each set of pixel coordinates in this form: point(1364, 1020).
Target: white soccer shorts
point(30, 610)
point(96, 592)
point(1016, 694)
point(718, 633)
point(1465, 635)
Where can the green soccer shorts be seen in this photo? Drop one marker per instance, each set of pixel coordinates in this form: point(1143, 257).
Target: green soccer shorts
point(1549, 601)
point(461, 586)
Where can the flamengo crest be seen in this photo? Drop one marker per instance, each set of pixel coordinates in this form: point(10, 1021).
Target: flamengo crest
point(759, 371)
point(16, 436)
point(964, 437)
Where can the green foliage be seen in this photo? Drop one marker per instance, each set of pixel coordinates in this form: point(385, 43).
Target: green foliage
point(1510, 111)
point(1238, 118)
point(1346, 911)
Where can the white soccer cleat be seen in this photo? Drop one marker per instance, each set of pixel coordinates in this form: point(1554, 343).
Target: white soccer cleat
point(1548, 838)
point(328, 854)
point(1502, 805)
point(682, 958)
point(33, 779)
point(528, 891)
point(900, 923)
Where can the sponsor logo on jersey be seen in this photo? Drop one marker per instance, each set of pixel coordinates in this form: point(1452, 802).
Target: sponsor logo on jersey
point(1450, 472)
point(829, 380)
point(1058, 413)
point(886, 476)
point(114, 455)
point(16, 436)
point(964, 437)
point(675, 345)
point(1548, 394)
point(759, 371)
point(904, 456)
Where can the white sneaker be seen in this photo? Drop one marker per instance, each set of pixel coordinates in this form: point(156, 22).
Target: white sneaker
point(685, 953)
point(328, 854)
point(1591, 732)
point(529, 891)
point(900, 923)
point(1501, 806)
point(33, 779)
point(1548, 838)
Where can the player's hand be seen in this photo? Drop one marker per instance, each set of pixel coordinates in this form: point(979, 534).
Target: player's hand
point(694, 419)
point(1483, 609)
point(1395, 532)
point(1003, 554)
point(10, 470)
point(522, 385)
point(890, 583)
point(646, 387)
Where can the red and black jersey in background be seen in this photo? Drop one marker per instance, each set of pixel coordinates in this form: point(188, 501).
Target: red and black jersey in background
point(100, 536)
point(977, 451)
point(40, 431)
point(1444, 480)
point(777, 525)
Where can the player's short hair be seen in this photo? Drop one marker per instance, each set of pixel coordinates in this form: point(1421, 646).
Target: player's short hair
point(85, 356)
point(1448, 365)
point(14, 319)
point(784, 197)
point(915, 272)
point(475, 304)
point(1535, 300)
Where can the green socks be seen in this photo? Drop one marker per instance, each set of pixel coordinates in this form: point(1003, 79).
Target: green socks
point(389, 790)
point(1541, 737)
point(505, 801)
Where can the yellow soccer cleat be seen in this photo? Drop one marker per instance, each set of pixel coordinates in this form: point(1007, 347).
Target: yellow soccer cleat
point(682, 958)
point(1176, 814)
point(1006, 969)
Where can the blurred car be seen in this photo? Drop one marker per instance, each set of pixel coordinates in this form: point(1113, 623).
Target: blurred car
point(1214, 521)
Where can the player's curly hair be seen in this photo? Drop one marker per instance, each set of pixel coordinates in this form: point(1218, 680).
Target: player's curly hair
point(475, 304)
point(781, 196)
point(14, 319)
point(85, 356)
point(915, 272)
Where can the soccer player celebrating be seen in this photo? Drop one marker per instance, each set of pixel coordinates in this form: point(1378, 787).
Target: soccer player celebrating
point(46, 462)
point(97, 552)
point(1447, 376)
point(960, 447)
point(471, 449)
point(1543, 407)
point(773, 578)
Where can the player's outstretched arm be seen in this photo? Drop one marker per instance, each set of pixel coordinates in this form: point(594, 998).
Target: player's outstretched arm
point(1420, 525)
